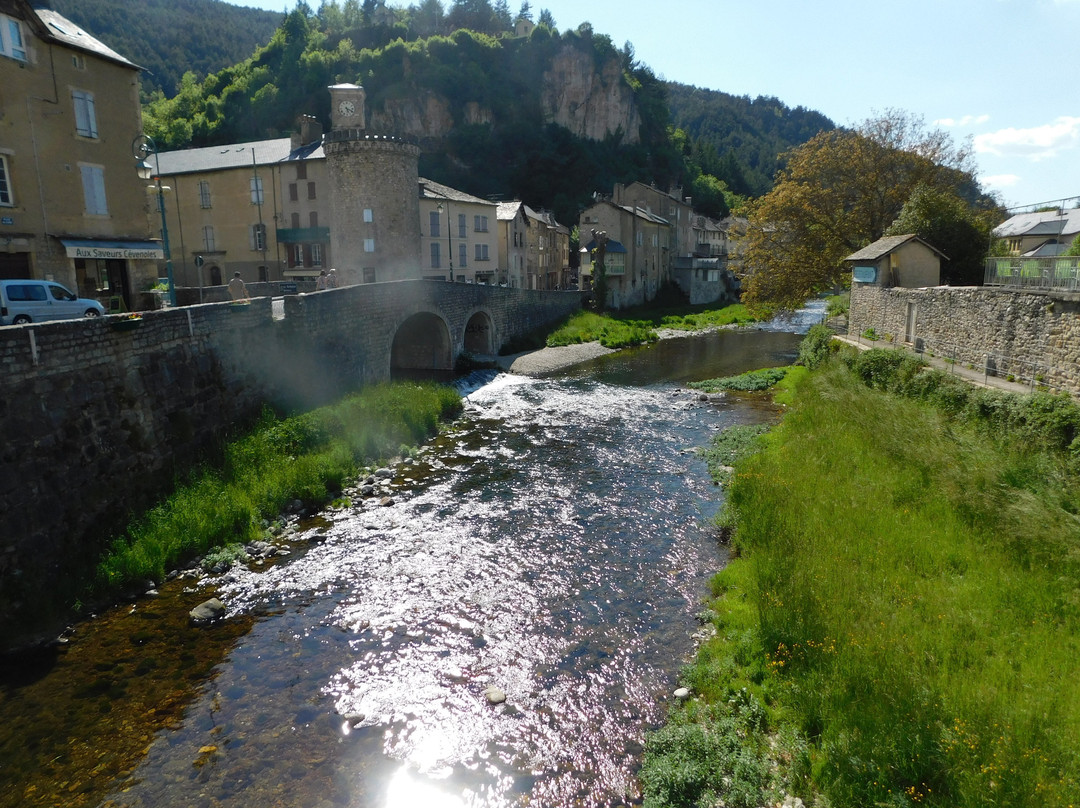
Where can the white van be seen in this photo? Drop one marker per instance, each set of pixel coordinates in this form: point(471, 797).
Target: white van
point(32, 301)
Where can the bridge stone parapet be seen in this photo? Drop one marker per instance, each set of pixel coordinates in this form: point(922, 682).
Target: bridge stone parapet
point(98, 422)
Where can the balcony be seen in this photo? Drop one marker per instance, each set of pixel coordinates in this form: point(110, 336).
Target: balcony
point(1043, 274)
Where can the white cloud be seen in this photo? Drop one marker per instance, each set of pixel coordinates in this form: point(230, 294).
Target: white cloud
point(1036, 143)
point(967, 120)
point(1001, 181)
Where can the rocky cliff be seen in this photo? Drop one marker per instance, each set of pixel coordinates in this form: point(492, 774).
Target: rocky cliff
point(591, 103)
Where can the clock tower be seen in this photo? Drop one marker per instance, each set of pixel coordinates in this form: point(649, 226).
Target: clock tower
point(347, 106)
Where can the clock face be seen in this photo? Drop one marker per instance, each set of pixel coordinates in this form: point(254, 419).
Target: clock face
point(347, 108)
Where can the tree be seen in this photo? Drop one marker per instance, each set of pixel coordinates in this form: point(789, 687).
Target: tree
point(944, 220)
point(526, 11)
point(546, 18)
point(837, 193)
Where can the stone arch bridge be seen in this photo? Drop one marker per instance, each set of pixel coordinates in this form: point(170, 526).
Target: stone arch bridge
point(372, 332)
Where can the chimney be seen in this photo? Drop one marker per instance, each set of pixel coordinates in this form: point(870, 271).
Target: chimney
point(308, 129)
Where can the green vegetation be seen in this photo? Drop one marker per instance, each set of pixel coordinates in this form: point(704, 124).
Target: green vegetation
point(610, 331)
point(638, 326)
point(903, 609)
point(307, 457)
point(750, 382)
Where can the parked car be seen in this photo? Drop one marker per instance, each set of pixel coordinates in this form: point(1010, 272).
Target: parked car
point(33, 301)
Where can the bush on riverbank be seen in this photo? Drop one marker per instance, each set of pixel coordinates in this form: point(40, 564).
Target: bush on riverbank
point(638, 326)
point(307, 457)
point(907, 601)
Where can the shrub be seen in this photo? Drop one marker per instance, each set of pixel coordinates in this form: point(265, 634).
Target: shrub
point(817, 346)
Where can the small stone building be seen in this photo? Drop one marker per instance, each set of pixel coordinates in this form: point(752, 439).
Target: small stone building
point(905, 261)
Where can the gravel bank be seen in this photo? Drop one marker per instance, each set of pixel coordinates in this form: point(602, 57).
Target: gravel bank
point(548, 360)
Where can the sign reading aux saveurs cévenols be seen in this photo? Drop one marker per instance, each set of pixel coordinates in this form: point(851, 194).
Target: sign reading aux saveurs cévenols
point(110, 251)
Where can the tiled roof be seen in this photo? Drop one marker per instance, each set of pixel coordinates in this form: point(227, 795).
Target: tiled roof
point(65, 31)
point(434, 190)
point(884, 246)
point(236, 155)
point(508, 210)
point(1044, 223)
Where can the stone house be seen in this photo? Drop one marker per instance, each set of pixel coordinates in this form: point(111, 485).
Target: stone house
point(1042, 234)
point(905, 261)
point(72, 207)
point(256, 208)
point(548, 250)
point(645, 236)
point(671, 205)
point(459, 236)
point(514, 227)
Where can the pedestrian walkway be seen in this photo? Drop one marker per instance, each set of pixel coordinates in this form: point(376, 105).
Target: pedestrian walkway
point(973, 375)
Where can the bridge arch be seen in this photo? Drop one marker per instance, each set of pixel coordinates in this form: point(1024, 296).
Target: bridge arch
point(479, 336)
point(421, 343)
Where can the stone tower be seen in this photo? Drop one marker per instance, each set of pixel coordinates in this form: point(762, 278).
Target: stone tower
point(374, 195)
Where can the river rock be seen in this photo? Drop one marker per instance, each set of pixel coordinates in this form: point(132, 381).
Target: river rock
point(354, 719)
point(383, 473)
point(682, 693)
point(386, 501)
point(368, 490)
point(494, 695)
point(207, 612)
point(703, 397)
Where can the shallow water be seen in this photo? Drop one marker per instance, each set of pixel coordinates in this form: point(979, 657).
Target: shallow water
point(553, 544)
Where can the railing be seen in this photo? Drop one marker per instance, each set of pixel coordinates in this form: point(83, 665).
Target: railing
point(1057, 274)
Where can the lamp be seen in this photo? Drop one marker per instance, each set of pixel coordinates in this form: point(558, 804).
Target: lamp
point(141, 148)
point(449, 246)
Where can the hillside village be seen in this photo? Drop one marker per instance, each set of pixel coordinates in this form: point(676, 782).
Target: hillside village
point(266, 209)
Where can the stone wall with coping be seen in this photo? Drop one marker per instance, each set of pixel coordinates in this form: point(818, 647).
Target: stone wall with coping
point(99, 422)
point(1028, 335)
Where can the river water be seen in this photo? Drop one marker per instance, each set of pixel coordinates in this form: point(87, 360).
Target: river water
point(553, 544)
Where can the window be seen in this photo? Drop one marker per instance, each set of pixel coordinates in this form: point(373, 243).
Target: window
point(463, 255)
point(294, 221)
point(208, 238)
point(85, 119)
point(481, 252)
point(369, 217)
point(639, 239)
point(435, 259)
point(296, 255)
point(480, 224)
point(11, 38)
point(258, 237)
point(433, 224)
point(256, 191)
point(6, 197)
point(301, 170)
point(369, 274)
point(313, 218)
point(369, 245)
point(316, 255)
point(204, 194)
point(93, 181)
point(311, 190)
point(461, 225)
point(294, 193)
point(655, 240)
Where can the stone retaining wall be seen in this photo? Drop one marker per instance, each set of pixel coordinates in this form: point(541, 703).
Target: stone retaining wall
point(98, 422)
point(1027, 335)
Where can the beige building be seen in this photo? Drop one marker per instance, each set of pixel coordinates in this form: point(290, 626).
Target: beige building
point(905, 261)
point(459, 236)
point(1044, 234)
point(671, 206)
point(547, 251)
point(255, 208)
point(646, 239)
point(72, 207)
point(514, 227)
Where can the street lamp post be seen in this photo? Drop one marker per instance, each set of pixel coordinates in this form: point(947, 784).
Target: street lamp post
point(141, 148)
point(449, 246)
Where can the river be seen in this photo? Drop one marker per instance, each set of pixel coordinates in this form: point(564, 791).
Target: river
point(554, 543)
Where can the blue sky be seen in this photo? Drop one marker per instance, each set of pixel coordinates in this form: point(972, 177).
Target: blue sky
point(1005, 73)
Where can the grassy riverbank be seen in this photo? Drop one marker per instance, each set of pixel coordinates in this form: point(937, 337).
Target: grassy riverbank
point(900, 625)
point(639, 326)
point(307, 457)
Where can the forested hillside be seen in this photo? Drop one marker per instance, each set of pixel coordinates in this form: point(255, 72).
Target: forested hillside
point(478, 97)
point(738, 138)
point(170, 37)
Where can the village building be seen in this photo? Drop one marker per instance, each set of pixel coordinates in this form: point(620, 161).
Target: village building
point(646, 238)
point(459, 236)
point(1045, 234)
point(514, 227)
point(72, 207)
point(904, 261)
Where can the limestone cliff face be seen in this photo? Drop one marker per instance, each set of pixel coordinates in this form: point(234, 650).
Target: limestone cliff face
point(573, 93)
point(589, 103)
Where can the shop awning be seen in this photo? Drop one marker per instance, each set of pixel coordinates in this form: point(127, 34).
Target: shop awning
point(111, 249)
point(302, 273)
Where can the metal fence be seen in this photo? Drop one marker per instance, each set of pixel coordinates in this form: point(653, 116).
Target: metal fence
point(1049, 274)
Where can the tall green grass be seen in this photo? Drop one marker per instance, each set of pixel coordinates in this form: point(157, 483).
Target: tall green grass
point(907, 602)
point(307, 457)
point(638, 326)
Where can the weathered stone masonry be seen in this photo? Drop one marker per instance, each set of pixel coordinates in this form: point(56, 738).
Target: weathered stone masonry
point(1015, 333)
point(97, 422)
